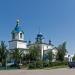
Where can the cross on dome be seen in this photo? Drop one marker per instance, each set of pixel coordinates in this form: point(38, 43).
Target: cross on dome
point(17, 22)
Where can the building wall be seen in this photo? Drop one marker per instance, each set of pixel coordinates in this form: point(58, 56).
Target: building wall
point(17, 44)
point(45, 48)
point(21, 45)
point(12, 45)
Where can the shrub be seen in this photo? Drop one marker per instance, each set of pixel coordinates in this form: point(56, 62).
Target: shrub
point(45, 64)
point(51, 64)
point(32, 65)
point(39, 64)
point(35, 64)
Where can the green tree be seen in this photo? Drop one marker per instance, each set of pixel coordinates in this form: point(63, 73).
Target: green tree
point(35, 53)
point(26, 58)
point(3, 53)
point(61, 52)
point(35, 60)
point(50, 56)
point(73, 59)
point(60, 56)
point(17, 56)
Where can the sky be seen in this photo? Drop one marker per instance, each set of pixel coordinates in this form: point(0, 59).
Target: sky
point(54, 18)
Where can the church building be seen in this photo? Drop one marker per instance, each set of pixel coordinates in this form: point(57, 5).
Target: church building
point(17, 41)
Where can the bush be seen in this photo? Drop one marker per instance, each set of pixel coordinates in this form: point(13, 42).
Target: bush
point(39, 64)
point(51, 64)
point(44, 64)
point(32, 65)
point(35, 64)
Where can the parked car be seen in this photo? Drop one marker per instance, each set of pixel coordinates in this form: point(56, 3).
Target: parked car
point(71, 64)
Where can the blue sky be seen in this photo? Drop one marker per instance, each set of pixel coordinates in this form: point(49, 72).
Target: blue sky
point(55, 18)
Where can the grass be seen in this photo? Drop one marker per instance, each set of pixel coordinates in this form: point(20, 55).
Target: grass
point(56, 67)
point(49, 68)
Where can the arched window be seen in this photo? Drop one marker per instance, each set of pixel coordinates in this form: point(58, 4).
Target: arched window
point(20, 35)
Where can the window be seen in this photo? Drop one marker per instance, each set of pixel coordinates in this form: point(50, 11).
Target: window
point(20, 35)
point(13, 36)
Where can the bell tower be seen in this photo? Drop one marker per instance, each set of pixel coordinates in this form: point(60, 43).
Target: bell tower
point(17, 40)
point(17, 33)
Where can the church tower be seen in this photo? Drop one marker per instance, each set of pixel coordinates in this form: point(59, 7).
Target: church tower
point(17, 40)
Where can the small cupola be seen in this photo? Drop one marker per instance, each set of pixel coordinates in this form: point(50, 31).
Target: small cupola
point(39, 38)
point(50, 42)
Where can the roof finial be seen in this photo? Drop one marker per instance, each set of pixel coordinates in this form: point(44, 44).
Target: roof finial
point(17, 22)
point(39, 30)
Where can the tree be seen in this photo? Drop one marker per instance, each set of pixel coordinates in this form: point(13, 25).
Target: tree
point(50, 55)
point(60, 56)
point(35, 57)
point(17, 56)
point(3, 53)
point(73, 59)
point(34, 53)
point(26, 58)
point(61, 52)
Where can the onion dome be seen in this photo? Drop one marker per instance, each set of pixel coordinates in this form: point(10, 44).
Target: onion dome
point(17, 29)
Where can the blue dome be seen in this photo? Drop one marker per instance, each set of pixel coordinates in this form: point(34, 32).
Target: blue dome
point(40, 35)
point(17, 29)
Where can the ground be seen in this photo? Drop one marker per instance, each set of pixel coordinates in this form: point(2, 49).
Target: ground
point(62, 71)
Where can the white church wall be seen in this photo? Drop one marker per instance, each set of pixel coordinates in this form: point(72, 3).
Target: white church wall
point(50, 47)
point(16, 36)
point(17, 44)
point(46, 47)
point(21, 45)
point(12, 45)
